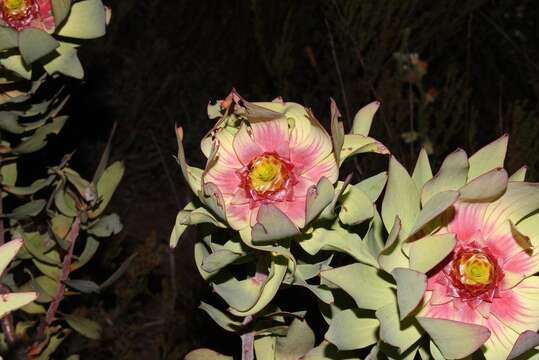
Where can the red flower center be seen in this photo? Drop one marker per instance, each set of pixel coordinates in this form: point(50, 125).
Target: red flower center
point(474, 272)
point(18, 13)
point(268, 177)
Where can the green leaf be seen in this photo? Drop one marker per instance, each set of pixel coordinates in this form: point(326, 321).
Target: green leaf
point(8, 252)
point(16, 64)
point(401, 198)
point(429, 251)
point(179, 227)
point(226, 321)
point(352, 329)
point(337, 131)
point(391, 255)
point(488, 158)
point(106, 186)
point(60, 10)
point(53, 345)
point(86, 21)
point(434, 207)
point(8, 38)
point(36, 186)
point(519, 175)
point(64, 201)
point(85, 327)
point(45, 287)
point(61, 225)
point(318, 197)
point(393, 331)
point(363, 119)
point(206, 354)
point(218, 260)
point(39, 245)
point(89, 251)
point(106, 226)
point(422, 171)
point(35, 43)
point(14, 301)
point(373, 186)
point(64, 61)
point(354, 144)
point(30, 209)
point(356, 206)
point(192, 175)
point(486, 187)
point(52, 271)
point(86, 189)
point(411, 286)
point(297, 342)
point(84, 286)
point(40, 138)
point(272, 224)
point(451, 176)
point(355, 278)
point(526, 341)
point(455, 339)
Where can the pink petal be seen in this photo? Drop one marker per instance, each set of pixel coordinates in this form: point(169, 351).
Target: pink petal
point(238, 215)
point(226, 154)
point(300, 189)
point(518, 308)
point(454, 310)
point(244, 145)
point(467, 221)
point(501, 340)
point(295, 210)
point(225, 178)
point(327, 168)
point(523, 262)
point(309, 142)
point(272, 136)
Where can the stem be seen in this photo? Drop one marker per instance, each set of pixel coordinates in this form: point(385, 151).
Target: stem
point(7, 321)
point(66, 269)
point(247, 342)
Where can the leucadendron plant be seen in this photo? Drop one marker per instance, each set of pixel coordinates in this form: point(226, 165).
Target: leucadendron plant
point(269, 202)
point(455, 278)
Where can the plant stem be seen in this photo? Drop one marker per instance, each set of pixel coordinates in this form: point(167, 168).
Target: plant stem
point(247, 342)
point(66, 269)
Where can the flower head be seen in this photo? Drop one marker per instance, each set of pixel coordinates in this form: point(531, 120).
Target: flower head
point(22, 14)
point(272, 157)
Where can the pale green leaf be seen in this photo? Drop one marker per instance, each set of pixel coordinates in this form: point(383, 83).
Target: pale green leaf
point(422, 171)
point(391, 255)
point(486, 187)
point(272, 224)
point(455, 339)
point(106, 186)
point(8, 38)
point(363, 119)
point(318, 197)
point(393, 331)
point(519, 175)
point(60, 10)
point(206, 354)
point(373, 186)
point(297, 342)
point(488, 158)
point(352, 329)
point(429, 251)
point(411, 286)
point(87, 20)
point(65, 61)
point(356, 206)
point(451, 176)
point(35, 43)
point(434, 207)
point(226, 321)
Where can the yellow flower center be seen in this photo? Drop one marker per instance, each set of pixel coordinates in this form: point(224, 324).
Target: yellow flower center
point(267, 173)
point(13, 4)
point(476, 270)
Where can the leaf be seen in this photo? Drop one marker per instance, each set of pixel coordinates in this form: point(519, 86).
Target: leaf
point(39, 245)
point(394, 332)
point(297, 342)
point(272, 224)
point(40, 138)
point(363, 119)
point(53, 344)
point(451, 176)
point(118, 273)
point(30, 209)
point(525, 342)
point(356, 206)
point(486, 187)
point(318, 197)
point(84, 286)
point(227, 322)
point(373, 186)
point(85, 327)
point(89, 251)
point(87, 20)
point(106, 226)
point(401, 198)
point(422, 171)
point(519, 175)
point(106, 186)
point(351, 329)
point(8, 171)
point(488, 158)
point(13, 301)
point(8, 252)
point(337, 131)
point(8, 38)
point(86, 189)
point(355, 278)
point(65, 61)
point(429, 251)
point(16, 64)
point(411, 286)
point(206, 354)
point(391, 255)
point(61, 225)
point(35, 44)
point(179, 227)
point(105, 155)
point(60, 10)
point(455, 339)
point(36, 186)
point(436, 206)
point(354, 144)
point(64, 201)
point(218, 260)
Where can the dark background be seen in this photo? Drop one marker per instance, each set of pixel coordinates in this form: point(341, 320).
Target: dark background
point(163, 60)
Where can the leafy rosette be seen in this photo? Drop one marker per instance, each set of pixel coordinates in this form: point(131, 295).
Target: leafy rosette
point(271, 184)
point(48, 32)
point(458, 265)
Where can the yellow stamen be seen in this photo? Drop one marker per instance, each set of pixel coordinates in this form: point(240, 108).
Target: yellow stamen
point(13, 4)
point(476, 270)
point(267, 174)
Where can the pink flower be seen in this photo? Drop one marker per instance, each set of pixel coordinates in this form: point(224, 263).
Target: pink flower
point(270, 160)
point(22, 14)
point(487, 279)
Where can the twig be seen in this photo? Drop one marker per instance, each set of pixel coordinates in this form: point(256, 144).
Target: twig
point(247, 342)
point(66, 269)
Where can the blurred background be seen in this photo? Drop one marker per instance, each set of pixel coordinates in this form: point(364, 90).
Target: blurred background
point(449, 74)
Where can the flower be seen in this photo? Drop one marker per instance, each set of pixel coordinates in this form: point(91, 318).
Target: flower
point(487, 279)
point(272, 158)
point(23, 14)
